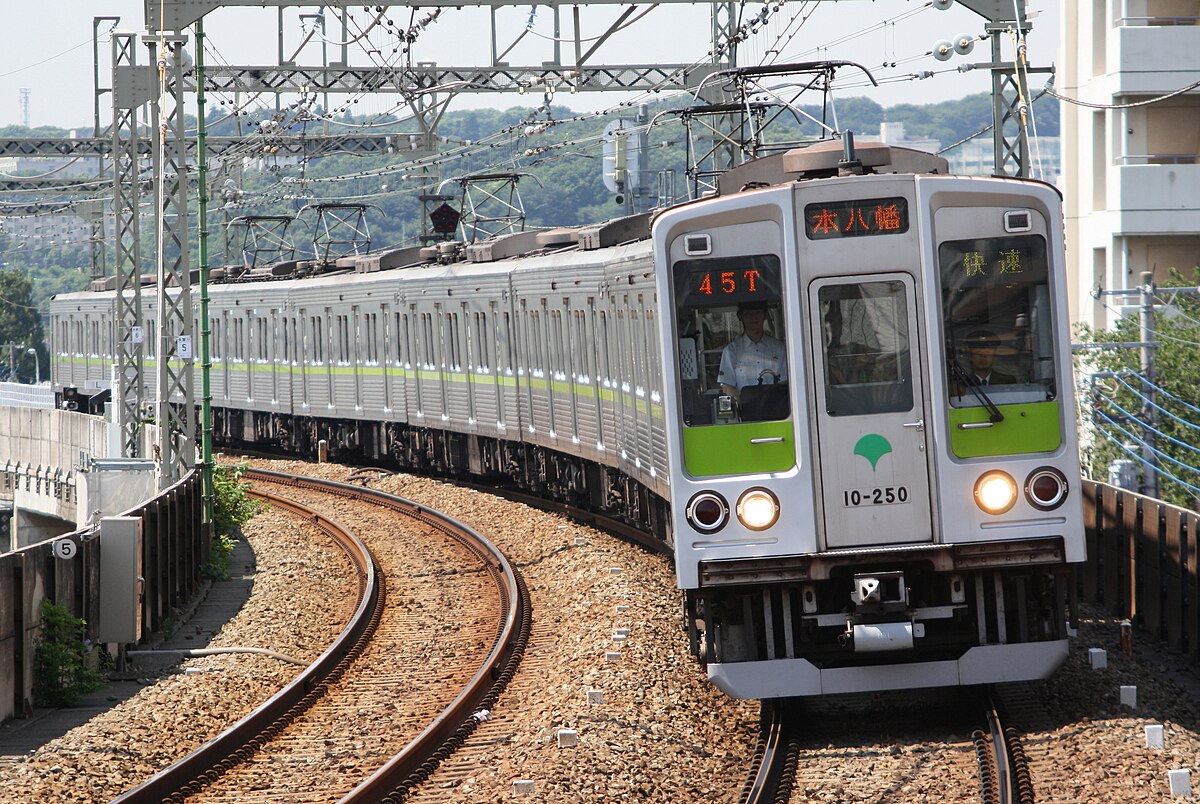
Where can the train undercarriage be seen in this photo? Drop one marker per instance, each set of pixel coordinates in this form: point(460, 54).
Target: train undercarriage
point(888, 625)
point(548, 474)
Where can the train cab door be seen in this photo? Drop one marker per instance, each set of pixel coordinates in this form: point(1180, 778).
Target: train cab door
point(872, 451)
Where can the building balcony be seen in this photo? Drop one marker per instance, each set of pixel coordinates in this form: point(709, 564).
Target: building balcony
point(1151, 57)
point(1160, 198)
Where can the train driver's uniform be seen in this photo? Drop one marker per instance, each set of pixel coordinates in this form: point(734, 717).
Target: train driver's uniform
point(745, 359)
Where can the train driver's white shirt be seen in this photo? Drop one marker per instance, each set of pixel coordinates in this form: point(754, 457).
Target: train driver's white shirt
point(744, 360)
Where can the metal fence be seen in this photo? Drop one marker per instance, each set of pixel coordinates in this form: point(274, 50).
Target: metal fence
point(1142, 564)
point(175, 547)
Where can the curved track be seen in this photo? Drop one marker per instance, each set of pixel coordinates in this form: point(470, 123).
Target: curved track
point(1003, 767)
point(773, 770)
point(255, 740)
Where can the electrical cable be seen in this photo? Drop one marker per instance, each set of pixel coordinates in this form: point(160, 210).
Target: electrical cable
point(58, 169)
point(1143, 443)
point(1168, 394)
point(1158, 99)
point(51, 58)
point(1170, 303)
point(1146, 427)
point(1152, 403)
point(862, 32)
point(1153, 332)
point(1158, 470)
point(620, 27)
point(12, 303)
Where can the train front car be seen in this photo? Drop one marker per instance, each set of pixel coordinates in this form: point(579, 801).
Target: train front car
point(874, 473)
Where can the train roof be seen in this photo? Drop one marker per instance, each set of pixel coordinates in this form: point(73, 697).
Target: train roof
point(824, 159)
point(829, 159)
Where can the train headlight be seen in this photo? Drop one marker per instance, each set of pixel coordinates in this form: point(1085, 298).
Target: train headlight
point(1046, 488)
point(995, 492)
point(707, 512)
point(758, 509)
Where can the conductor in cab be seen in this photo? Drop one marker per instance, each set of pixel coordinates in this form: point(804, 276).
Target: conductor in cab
point(754, 357)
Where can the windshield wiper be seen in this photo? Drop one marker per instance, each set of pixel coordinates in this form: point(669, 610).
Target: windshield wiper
point(964, 376)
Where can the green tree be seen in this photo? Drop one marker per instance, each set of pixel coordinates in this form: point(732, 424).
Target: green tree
point(1119, 403)
point(61, 675)
point(20, 328)
point(232, 507)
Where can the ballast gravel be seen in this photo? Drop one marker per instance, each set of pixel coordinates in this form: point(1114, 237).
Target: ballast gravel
point(180, 709)
point(647, 725)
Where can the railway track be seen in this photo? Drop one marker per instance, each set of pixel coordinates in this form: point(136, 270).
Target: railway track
point(807, 748)
point(370, 719)
point(1004, 773)
point(773, 768)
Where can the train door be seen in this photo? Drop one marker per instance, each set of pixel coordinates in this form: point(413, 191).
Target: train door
point(871, 434)
point(277, 346)
point(225, 350)
point(596, 350)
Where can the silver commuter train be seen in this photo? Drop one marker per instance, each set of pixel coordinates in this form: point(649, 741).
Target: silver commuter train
point(888, 518)
point(869, 518)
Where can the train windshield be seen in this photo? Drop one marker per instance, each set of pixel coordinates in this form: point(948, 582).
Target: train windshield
point(732, 353)
point(996, 321)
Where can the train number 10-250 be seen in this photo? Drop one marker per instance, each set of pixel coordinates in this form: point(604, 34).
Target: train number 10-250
point(888, 495)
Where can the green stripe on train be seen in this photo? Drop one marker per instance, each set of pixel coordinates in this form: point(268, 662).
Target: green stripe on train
point(1026, 429)
point(726, 449)
point(624, 398)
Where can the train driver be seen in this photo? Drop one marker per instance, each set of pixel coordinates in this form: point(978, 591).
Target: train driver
point(754, 357)
point(981, 348)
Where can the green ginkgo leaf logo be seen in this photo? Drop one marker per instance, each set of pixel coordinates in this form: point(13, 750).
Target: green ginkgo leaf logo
point(872, 447)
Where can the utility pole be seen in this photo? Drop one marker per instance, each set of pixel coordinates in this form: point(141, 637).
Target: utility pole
point(12, 362)
point(1150, 484)
point(206, 431)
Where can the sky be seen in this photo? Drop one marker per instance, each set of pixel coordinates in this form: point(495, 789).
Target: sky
point(53, 58)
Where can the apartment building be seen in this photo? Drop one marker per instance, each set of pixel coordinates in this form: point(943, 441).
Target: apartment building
point(1131, 174)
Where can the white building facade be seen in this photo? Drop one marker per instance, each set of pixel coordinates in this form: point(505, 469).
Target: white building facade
point(1131, 176)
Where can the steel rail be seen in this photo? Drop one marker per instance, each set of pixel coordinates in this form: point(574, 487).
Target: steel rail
point(237, 743)
point(1004, 775)
point(450, 729)
point(767, 767)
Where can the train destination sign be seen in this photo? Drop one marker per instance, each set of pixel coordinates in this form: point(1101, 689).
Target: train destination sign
point(857, 218)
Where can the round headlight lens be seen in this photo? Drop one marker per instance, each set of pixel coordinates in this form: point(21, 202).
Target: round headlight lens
point(995, 492)
point(758, 509)
point(708, 512)
point(1046, 488)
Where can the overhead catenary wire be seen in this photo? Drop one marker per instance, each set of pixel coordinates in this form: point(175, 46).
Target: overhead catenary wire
point(471, 150)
